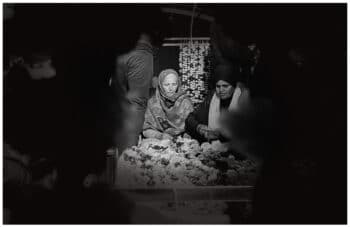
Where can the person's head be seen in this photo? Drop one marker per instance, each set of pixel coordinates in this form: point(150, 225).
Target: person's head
point(39, 65)
point(226, 77)
point(223, 89)
point(169, 82)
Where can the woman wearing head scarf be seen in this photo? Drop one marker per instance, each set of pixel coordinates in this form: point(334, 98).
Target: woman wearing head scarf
point(167, 109)
point(229, 94)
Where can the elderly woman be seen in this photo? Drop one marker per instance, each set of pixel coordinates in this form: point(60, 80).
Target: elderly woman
point(167, 109)
point(203, 124)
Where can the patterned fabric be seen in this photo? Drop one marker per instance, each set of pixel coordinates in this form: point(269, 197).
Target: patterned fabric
point(134, 74)
point(167, 114)
point(134, 77)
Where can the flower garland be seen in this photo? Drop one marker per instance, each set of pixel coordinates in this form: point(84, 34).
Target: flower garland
point(195, 69)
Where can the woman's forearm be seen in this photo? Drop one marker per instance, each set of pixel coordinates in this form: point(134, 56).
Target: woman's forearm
point(151, 133)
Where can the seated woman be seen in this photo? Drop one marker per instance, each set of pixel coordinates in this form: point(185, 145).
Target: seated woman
point(203, 124)
point(167, 109)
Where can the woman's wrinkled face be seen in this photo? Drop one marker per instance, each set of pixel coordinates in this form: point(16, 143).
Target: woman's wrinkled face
point(170, 84)
point(224, 90)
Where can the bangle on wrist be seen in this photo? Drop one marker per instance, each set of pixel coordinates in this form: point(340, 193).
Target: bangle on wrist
point(198, 128)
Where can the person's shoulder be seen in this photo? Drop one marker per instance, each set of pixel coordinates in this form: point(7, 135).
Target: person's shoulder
point(124, 58)
point(187, 101)
point(139, 59)
point(211, 93)
point(139, 52)
point(146, 52)
point(209, 96)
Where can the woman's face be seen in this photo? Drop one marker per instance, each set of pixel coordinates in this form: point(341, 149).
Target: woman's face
point(170, 84)
point(224, 90)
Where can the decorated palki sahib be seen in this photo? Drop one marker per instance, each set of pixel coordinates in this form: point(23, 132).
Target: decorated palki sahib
point(181, 163)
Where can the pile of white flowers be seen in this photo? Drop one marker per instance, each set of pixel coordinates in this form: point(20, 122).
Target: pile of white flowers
point(181, 163)
point(163, 163)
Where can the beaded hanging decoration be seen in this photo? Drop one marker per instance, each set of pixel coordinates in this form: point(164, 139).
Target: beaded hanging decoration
point(194, 65)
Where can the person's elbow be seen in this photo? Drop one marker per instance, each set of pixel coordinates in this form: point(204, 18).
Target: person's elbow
point(137, 99)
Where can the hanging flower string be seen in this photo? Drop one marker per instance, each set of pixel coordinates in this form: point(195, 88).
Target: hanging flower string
point(195, 69)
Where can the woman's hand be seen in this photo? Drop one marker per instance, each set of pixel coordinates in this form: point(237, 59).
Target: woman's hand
point(166, 136)
point(202, 129)
point(187, 136)
point(207, 133)
point(212, 135)
point(173, 131)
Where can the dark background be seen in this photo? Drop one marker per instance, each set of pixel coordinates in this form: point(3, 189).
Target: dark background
point(86, 38)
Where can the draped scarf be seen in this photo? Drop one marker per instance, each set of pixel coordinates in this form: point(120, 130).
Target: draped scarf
point(167, 114)
point(214, 108)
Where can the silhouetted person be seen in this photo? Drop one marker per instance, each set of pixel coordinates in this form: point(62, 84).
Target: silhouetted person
point(301, 130)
